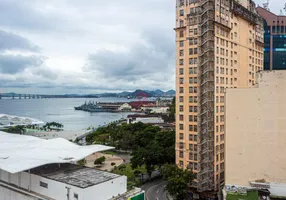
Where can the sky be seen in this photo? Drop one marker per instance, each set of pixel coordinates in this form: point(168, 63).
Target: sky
point(88, 46)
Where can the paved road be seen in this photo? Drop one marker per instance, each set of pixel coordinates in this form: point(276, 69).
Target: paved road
point(155, 190)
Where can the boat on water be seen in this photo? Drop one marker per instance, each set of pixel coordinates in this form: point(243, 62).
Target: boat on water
point(91, 107)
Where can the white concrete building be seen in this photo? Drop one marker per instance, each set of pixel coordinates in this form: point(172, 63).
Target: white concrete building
point(155, 109)
point(146, 119)
point(34, 168)
point(62, 182)
point(125, 107)
point(256, 137)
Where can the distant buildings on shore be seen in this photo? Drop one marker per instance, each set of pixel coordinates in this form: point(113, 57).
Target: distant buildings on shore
point(158, 106)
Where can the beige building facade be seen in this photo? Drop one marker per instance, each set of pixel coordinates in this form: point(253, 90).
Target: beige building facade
point(256, 134)
point(219, 45)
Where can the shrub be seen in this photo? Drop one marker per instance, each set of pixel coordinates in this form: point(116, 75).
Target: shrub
point(100, 160)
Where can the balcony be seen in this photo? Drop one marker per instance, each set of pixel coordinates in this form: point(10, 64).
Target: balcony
point(245, 13)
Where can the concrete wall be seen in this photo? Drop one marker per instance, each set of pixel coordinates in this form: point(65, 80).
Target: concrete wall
point(7, 194)
point(256, 131)
point(57, 190)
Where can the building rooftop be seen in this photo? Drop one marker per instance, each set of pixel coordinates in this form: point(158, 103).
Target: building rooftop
point(9, 120)
point(74, 175)
point(20, 152)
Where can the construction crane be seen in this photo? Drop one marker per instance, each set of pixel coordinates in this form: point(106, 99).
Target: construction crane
point(266, 5)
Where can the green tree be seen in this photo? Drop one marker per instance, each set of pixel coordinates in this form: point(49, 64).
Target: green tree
point(153, 148)
point(15, 129)
point(100, 160)
point(178, 180)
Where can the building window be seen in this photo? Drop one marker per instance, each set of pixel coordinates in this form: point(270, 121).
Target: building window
point(181, 163)
point(181, 117)
point(195, 128)
point(43, 184)
point(181, 127)
point(190, 137)
point(195, 60)
point(181, 23)
point(181, 52)
point(191, 61)
point(195, 138)
point(195, 50)
point(191, 109)
point(181, 99)
point(190, 147)
point(75, 195)
point(191, 41)
point(195, 70)
point(181, 154)
point(181, 108)
point(181, 90)
point(181, 33)
point(181, 80)
point(195, 108)
point(190, 127)
point(195, 147)
point(191, 99)
point(190, 118)
point(181, 136)
point(196, 41)
point(195, 80)
point(181, 43)
point(195, 156)
point(195, 118)
point(195, 90)
point(195, 166)
point(195, 99)
point(190, 51)
point(195, 31)
point(181, 61)
point(181, 71)
point(191, 90)
point(181, 12)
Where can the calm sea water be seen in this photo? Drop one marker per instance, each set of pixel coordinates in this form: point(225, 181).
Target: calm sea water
point(61, 110)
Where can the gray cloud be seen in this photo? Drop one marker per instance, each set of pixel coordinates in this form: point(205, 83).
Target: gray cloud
point(11, 41)
point(12, 64)
point(154, 55)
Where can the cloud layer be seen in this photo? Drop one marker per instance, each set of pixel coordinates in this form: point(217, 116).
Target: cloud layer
point(86, 46)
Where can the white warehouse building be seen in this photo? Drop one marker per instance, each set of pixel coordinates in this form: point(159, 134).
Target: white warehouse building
point(33, 168)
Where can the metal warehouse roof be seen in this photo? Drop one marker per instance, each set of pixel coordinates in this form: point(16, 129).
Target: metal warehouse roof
point(9, 120)
point(20, 152)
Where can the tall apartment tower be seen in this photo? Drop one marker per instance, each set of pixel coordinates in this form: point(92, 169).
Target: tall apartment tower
point(219, 45)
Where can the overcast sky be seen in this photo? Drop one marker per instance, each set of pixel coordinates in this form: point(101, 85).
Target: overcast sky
point(88, 46)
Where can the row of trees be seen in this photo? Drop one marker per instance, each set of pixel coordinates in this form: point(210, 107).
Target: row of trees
point(53, 125)
point(15, 129)
point(150, 146)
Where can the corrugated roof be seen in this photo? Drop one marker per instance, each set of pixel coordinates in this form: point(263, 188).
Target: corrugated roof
point(20, 152)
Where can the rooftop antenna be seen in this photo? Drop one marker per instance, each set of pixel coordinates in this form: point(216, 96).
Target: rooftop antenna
point(266, 5)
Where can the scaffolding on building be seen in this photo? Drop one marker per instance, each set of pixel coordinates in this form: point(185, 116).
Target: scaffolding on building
point(206, 73)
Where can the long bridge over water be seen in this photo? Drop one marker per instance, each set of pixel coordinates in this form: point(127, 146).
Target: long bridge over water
point(40, 96)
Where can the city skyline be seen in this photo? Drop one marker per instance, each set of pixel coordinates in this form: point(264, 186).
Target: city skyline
point(87, 47)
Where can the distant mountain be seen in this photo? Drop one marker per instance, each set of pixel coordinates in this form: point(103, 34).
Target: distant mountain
point(170, 93)
point(139, 93)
